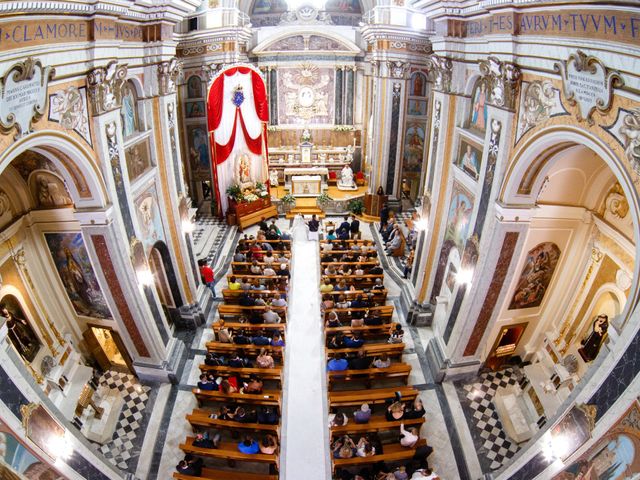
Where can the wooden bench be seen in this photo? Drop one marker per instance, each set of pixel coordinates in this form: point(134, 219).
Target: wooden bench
point(362, 281)
point(242, 241)
point(379, 296)
point(372, 396)
point(216, 474)
point(232, 297)
point(395, 370)
point(234, 311)
point(240, 268)
point(385, 312)
point(248, 326)
point(376, 424)
point(367, 331)
point(263, 373)
point(392, 453)
point(227, 451)
point(393, 350)
point(251, 350)
point(252, 277)
point(355, 264)
point(200, 419)
point(249, 219)
point(267, 397)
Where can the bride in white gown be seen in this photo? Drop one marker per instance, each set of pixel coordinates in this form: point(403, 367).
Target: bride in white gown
point(299, 230)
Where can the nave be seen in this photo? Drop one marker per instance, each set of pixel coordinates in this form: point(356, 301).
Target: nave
point(295, 409)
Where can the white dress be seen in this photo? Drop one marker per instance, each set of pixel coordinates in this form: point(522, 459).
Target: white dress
point(299, 230)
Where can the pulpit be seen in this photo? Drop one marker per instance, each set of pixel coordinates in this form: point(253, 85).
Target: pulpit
point(373, 204)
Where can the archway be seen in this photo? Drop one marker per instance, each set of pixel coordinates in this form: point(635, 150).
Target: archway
point(165, 279)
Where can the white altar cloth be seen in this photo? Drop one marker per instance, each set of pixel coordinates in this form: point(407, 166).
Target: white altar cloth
point(306, 185)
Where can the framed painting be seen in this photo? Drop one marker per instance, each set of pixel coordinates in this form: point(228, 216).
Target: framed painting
point(469, 158)
point(417, 108)
point(138, 159)
point(540, 263)
point(459, 216)
point(74, 268)
point(413, 148)
point(418, 84)
point(198, 147)
point(194, 87)
point(478, 113)
point(195, 109)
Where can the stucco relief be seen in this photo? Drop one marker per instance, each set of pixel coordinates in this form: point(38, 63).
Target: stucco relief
point(69, 108)
point(539, 101)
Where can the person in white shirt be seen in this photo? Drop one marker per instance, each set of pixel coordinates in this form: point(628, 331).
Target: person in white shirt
point(269, 272)
point(278, 302)
point(424, 474)
point(269, 258)
point(269, 316)
point(409, 437)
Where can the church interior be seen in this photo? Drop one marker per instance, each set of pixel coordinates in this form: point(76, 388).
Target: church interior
point(319, 239)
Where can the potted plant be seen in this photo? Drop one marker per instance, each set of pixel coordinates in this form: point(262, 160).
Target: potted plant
point(323, 201)
point(234, 191)
point(288, 201)
point(356, 206)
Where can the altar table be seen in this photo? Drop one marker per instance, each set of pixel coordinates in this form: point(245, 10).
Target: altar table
point(306, 185)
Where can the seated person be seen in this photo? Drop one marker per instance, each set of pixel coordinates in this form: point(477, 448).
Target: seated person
point(276, 340)
point(338, 420)
point(342, 302)
point(229, 385)
point(358, 271)
point(190, 466)
point(268, 444)
point(202, 440)
point(395, 411)
point(327, 302)
point(331, 235)
point(364, 448)
point(245, 284)
point(337, 341)
point(363, 414)
point(333, 320)
point(242, 339)
point(269, 316)
point(225, 335)
point(383, 361)
point(233, 284)
point(343, 448)
point(269, 259)
point(373, 319)
point(248, 446)
point(269, 271)
point(353, 341)
point(261, 339)
point(245, 415)
point(396, 334)
point(238, 360)
point(246, 300)
point(213, 359)
point(254, 385)
point(259, 302)
point(206, 384)
point(360, 361)
point(284, 271)
point(326, 286)
point(424, 474)
point(278, 301)
point(255, 269)
point(330, 270)
point(342, 285)
point(268, 415)
point(337, 363)
point(359, 302)
point(239, 256)
point(378, 285)
point(415, 410)
point(376, 269)
point(257, 285)
point(408, 438)
point(265, 359)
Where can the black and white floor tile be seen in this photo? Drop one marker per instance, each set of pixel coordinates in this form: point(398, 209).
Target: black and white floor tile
point(493, 445)
point(136, 396)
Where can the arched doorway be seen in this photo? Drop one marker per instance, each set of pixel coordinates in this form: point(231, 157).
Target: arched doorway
point(165, 280)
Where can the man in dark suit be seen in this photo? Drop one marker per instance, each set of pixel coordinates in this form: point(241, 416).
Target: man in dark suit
point(343, 229)
point(384, 216)
point(354, 228)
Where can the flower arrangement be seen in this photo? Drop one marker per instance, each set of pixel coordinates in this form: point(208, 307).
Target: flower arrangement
point(343, 128)
point(288, 199)
point(248, 195)
point(323, 199)
point(273, 128)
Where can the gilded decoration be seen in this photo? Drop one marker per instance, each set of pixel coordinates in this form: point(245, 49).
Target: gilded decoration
point(105, 87)
point(588, 84)
point(503, 81)
point(616, 203)
point(441, 69)
point(168, 73)
point(23, 96)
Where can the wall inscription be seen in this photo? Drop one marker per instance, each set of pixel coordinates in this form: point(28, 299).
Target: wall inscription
point(588, 83)
point(23, 95)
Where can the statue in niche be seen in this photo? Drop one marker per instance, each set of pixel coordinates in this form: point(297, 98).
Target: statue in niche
point(20, 332)
point(50, 192)
point(591, 345)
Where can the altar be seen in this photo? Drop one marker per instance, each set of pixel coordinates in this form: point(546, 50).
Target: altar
point(310, 181)
point(306, 185)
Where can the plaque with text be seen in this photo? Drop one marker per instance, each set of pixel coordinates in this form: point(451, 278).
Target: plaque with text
point(588, 83)
point(23, 95)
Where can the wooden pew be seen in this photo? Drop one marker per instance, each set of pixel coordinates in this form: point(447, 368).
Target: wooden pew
point(359, 281)
point(200, 419)
point(393, 350)
point(377, 423)
point(263, 373)
point(252, 277)
point(232, 297)
point(241, 268)
point(392, 453)
point(216, 474)
point(267, 397)
point(247, 326)
point(367, 331)
point(379, 296)
point(372, 396)
point(395, 370)
point(385, 312)
point(286, 243)
point(227, 451)
point(234, 311)
point(251, 350)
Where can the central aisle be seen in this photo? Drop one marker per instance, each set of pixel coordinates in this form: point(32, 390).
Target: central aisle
point(305, 428)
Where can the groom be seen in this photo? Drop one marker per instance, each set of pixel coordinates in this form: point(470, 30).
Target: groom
point(313, 225)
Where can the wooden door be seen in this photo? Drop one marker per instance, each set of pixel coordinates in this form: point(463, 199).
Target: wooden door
point(505, 345)
point(93, 345)
point(123, 351)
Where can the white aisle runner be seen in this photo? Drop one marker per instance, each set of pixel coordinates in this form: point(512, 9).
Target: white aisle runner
point(305, 433)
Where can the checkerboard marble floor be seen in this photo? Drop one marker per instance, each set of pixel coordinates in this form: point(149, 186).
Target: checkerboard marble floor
point(119, 450)
point(493, 445)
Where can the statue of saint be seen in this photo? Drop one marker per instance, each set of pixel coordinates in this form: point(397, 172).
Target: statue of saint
point(591, 345)
point(21, 335)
